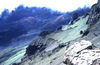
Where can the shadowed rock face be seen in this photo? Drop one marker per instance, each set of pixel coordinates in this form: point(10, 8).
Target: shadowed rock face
point(41, 45)
point(94, 14)
point(16, 63)
point(31, 50)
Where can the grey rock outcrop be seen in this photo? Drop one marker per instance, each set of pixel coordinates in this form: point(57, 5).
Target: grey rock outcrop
point(94, 14)
point(81, 54)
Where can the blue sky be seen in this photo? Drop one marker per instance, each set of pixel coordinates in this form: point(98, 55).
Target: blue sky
point(60, 5)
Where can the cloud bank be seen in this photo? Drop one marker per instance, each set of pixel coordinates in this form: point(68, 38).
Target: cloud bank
point(60, 5)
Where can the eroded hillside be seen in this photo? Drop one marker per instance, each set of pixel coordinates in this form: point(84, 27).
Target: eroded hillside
point(50, 49)
point(50, 46)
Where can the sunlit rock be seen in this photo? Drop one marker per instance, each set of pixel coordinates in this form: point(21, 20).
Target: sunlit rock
point(81, 53)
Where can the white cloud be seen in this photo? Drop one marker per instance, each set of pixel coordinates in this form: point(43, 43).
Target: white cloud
point(61, 5)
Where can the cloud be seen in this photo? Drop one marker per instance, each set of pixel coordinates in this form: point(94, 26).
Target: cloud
point(61, 5)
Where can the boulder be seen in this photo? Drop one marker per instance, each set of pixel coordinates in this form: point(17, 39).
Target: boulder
point(81, 53)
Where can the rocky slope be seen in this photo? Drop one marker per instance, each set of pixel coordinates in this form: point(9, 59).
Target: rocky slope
point(63, 46)
point(50, 46)
point(90, 54)
point(49, 49)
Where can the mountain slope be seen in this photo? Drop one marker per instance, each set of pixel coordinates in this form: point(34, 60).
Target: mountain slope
point(53, 44)
point(50, 46)
point(46, 50)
